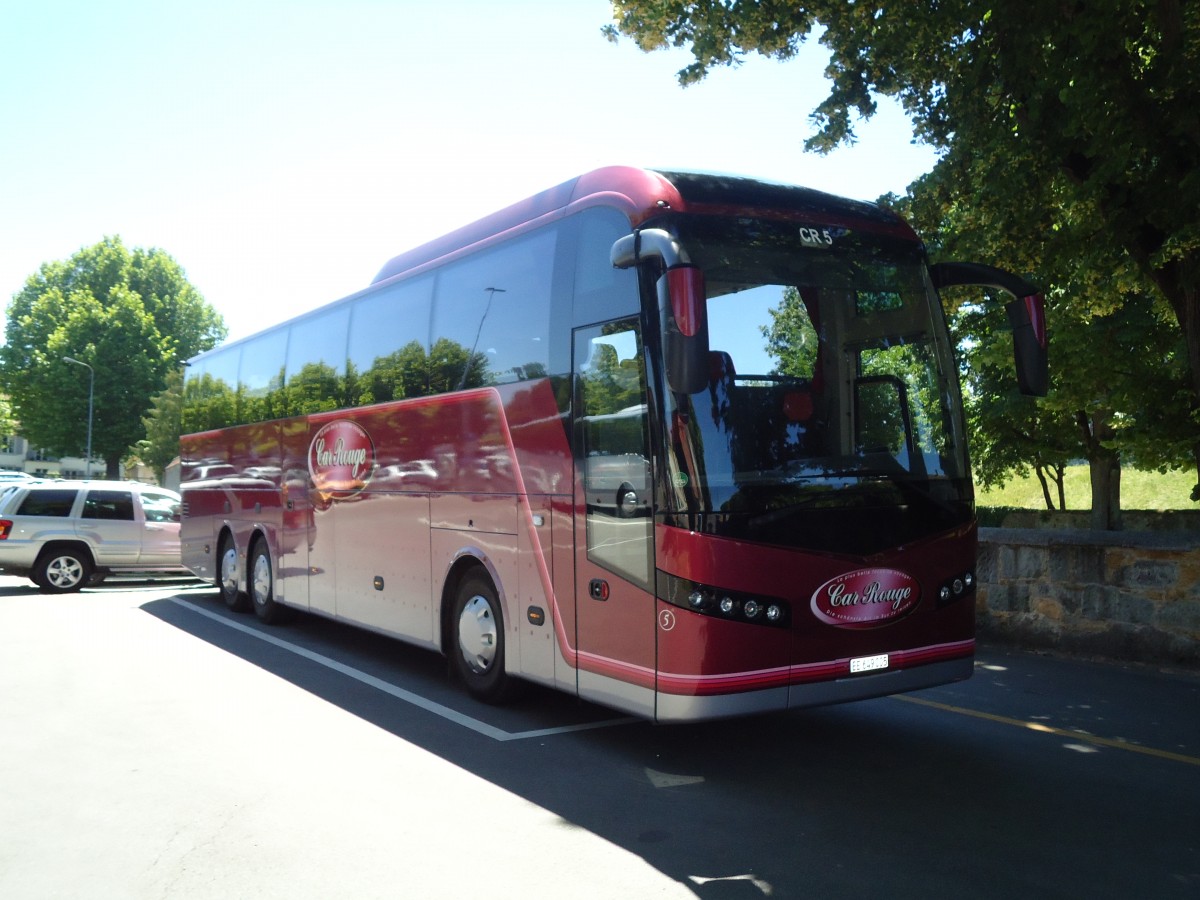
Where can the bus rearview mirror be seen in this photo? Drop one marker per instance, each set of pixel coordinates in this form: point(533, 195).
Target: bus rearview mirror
point(1026, 313)
point(683, 318)
point(1028, 317)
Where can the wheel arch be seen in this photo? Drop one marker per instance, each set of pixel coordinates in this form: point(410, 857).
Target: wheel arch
point(58, 545)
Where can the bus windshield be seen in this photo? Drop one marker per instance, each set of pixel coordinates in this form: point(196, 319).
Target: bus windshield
point(831, 418)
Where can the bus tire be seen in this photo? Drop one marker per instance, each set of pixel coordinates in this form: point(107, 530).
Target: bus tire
point(262, 586)
point(227, 576)
point(478, 648)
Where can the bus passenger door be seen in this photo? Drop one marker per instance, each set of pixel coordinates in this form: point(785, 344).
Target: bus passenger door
point(614, 529)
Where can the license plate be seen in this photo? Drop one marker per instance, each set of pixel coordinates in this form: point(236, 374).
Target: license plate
point(869, 663)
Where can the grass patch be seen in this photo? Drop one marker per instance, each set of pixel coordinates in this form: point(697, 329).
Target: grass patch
point(1139, 490)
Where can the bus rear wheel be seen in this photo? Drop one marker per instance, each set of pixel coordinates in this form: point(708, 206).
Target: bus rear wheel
point(478, 651)
point(262, 587)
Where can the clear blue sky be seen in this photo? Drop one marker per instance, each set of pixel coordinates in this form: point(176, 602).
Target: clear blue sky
point(283, 151)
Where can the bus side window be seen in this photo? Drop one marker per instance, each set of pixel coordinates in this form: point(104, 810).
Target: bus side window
point(388, 350)
point(601, 291)
point(316, 362)
point(491, 315)
point(260, 377)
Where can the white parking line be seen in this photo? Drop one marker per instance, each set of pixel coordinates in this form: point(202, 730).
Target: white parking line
point(496, 734)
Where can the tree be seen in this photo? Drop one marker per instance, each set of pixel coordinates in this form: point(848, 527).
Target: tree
point(1067, 109)
point(8, 425)
point(1116, 355)
point(130, 315)
point(162, 425)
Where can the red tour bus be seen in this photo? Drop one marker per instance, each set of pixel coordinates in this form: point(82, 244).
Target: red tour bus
point(686, 445)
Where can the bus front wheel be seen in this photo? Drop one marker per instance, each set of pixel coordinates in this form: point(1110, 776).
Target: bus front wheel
point(478, 651)
point(227, 576)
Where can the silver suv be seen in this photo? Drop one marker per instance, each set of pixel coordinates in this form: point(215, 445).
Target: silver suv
point(68, 534)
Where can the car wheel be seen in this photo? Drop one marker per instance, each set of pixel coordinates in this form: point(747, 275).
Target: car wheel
point(227, 576)
point(62, 571)
point(478, 651)
point(262, 586)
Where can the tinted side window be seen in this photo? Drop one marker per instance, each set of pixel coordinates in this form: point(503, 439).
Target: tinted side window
point(109, 505)
point(389, 342)
point(209, 391)
point(56, 502)
point(316, 362)
point(602, 292)
point(491, 315)
point(260, 377)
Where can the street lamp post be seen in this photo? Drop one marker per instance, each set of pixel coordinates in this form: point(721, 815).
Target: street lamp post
point(87, 463)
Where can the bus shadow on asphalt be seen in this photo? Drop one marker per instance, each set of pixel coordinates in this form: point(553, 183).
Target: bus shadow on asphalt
point(776, 795)
point(405, 689)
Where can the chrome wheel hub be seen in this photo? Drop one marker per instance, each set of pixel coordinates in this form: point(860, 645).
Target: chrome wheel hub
point(229, 571)
point(64, 572)
point(262, 580)
point(477, 634)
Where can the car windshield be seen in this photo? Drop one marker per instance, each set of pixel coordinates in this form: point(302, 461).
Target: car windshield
point(832, 399)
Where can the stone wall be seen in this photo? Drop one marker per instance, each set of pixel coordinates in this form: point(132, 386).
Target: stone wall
point(1121, 595)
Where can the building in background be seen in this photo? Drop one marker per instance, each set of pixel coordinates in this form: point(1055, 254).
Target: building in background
point(17, 454)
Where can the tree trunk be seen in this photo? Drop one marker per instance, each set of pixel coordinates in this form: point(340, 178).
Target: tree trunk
point(1105, 471)
point(1196, 486)
point(1104, 468)
point(1041, 477)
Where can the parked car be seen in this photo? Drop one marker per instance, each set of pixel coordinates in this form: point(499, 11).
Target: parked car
point(67, 534)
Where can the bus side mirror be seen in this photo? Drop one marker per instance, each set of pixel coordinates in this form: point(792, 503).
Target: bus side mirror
point(683, 319)
point(682, 305)
point(1026, 313)
point(1028, 317)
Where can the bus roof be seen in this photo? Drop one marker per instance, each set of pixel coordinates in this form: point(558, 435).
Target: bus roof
point(642, 194)
point(645, 193)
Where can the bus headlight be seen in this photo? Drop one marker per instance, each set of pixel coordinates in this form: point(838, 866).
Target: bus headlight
point(956, 588)
point(734, 606)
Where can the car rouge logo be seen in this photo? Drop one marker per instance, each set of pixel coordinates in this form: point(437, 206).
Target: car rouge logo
point(341, 459)
point(866, 598)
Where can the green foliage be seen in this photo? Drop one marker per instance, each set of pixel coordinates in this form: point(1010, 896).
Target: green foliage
point(131, 315)
point(161, 424)
point(1070, 136)
point(791, 337)
point(8, 425)
point(1118, 375)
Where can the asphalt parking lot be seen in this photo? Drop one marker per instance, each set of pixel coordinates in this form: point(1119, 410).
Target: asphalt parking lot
point(158, 746)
